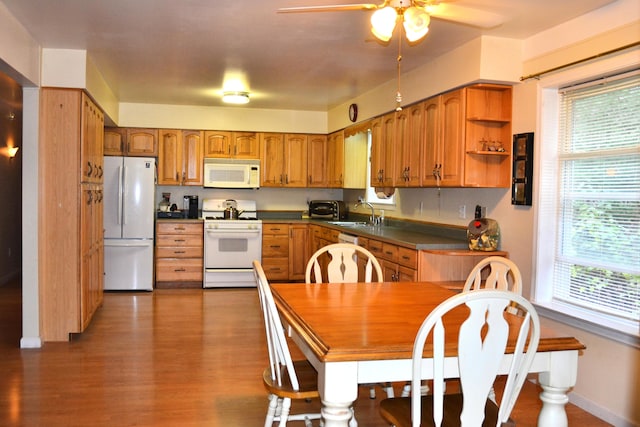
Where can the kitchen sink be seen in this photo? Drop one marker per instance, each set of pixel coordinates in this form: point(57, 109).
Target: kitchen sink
point(349, 223)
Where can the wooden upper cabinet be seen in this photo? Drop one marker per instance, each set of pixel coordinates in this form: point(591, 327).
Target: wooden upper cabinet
point(272, 159)
point(115, 140)
point(169, 157)
point(335, 160)
point(409, 139)
point(245, 145)
point(295, 146)
point(225, 144)
point(92, 141)
point(283, 160)
point(180, 159)
point(142, 142)
point(487, 161)
point(192, 159)
point(383, 136)
point(443, 153)
point(130, 142)
point(317, 161)
point(217, 143)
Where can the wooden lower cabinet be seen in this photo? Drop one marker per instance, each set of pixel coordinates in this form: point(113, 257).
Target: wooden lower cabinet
point(179, 254)
point(275, 251)
point(399, 264)
point(298, 251)
point(285, 250)
point(451, 267)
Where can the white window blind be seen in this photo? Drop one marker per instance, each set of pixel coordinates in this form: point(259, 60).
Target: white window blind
point(597, 247)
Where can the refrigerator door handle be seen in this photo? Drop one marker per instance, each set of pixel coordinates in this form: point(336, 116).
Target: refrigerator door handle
point(120, 198)
point(123, 189)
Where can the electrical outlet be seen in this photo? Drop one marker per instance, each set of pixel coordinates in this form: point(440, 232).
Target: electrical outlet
point(462, 211)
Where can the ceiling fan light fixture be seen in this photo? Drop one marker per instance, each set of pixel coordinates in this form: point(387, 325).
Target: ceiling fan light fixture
point(416, 23)
point(383, 22)
point(235, 97)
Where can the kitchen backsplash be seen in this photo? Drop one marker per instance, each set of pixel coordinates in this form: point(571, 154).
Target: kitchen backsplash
point(266, 198)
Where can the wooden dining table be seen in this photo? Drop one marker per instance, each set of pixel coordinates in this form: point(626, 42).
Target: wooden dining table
point(363, 333)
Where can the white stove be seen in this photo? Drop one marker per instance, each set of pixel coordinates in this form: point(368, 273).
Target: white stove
point(230, 245)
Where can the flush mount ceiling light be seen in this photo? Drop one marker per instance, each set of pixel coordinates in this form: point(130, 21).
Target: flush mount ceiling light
point(235, 97)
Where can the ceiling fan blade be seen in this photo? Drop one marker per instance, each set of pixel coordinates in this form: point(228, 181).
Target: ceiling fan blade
point(465, 15)
point(329, 8)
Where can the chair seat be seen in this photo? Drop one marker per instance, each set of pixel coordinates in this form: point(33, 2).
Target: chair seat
point(307, 377)
point(397, 411)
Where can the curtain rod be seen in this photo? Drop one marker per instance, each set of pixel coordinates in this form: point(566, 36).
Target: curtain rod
point(579, 61)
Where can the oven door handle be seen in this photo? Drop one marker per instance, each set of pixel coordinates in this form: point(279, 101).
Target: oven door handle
point(219, 231)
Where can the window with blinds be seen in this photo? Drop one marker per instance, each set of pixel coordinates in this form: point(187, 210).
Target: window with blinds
point(596, 252)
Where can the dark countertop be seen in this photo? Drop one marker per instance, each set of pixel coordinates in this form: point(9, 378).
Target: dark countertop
point(407, 233)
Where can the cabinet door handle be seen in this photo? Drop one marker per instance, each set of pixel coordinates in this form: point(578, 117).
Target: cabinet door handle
point(178, 252)
point(177, 270)
point(179, 240)
point(275, 246)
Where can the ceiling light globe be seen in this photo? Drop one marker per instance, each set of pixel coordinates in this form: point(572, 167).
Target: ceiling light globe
point(383, 22)
point(235, 97)
point(416, 23)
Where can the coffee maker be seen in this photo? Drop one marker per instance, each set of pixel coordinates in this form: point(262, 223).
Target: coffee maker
point(190, 207)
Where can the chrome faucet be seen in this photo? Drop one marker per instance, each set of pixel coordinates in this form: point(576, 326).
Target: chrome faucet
point(372, 218)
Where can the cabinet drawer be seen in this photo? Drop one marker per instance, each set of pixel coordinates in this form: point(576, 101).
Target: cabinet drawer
point(275, 229)
point(275, 246)
point(276, 268)
point(390, 252)
point(179, 270)
point(179, 252)
point(179, 228)
point(375, 247)
point(179, 240)
point(408, 257)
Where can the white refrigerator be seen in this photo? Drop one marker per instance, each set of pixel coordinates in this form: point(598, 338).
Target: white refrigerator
point(129, 209)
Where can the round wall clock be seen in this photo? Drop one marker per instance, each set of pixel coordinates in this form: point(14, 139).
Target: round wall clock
point(353, 112)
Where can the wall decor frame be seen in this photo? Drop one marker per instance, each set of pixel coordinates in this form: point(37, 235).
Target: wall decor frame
point(522, 171)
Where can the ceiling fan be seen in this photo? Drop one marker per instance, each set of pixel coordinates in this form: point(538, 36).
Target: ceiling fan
point(414, 14)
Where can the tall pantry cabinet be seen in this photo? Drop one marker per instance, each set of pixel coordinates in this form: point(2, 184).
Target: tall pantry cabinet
point(71, 203)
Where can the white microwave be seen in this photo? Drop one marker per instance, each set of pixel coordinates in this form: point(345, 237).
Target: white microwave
point(232, 173)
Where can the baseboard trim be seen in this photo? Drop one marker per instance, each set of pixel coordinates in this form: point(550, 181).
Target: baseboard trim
point(599, 411)
point(30, 342)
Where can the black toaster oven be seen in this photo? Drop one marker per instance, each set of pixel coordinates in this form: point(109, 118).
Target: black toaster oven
point(332, 210)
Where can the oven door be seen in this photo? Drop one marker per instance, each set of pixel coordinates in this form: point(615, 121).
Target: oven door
point(231, 248)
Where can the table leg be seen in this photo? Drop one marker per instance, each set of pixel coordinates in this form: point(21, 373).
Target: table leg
point(338, 386)
point(553, 411)
point(555, 383)
point(336, 414)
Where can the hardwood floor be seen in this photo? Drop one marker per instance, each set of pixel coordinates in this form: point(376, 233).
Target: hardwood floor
point(183, 357)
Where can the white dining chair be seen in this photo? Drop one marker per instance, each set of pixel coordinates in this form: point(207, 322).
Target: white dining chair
point(503, 274)
point(342, 267)
point(481, 347)
point(284, 378)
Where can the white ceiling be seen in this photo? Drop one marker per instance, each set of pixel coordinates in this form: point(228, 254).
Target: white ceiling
point(176, 52)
